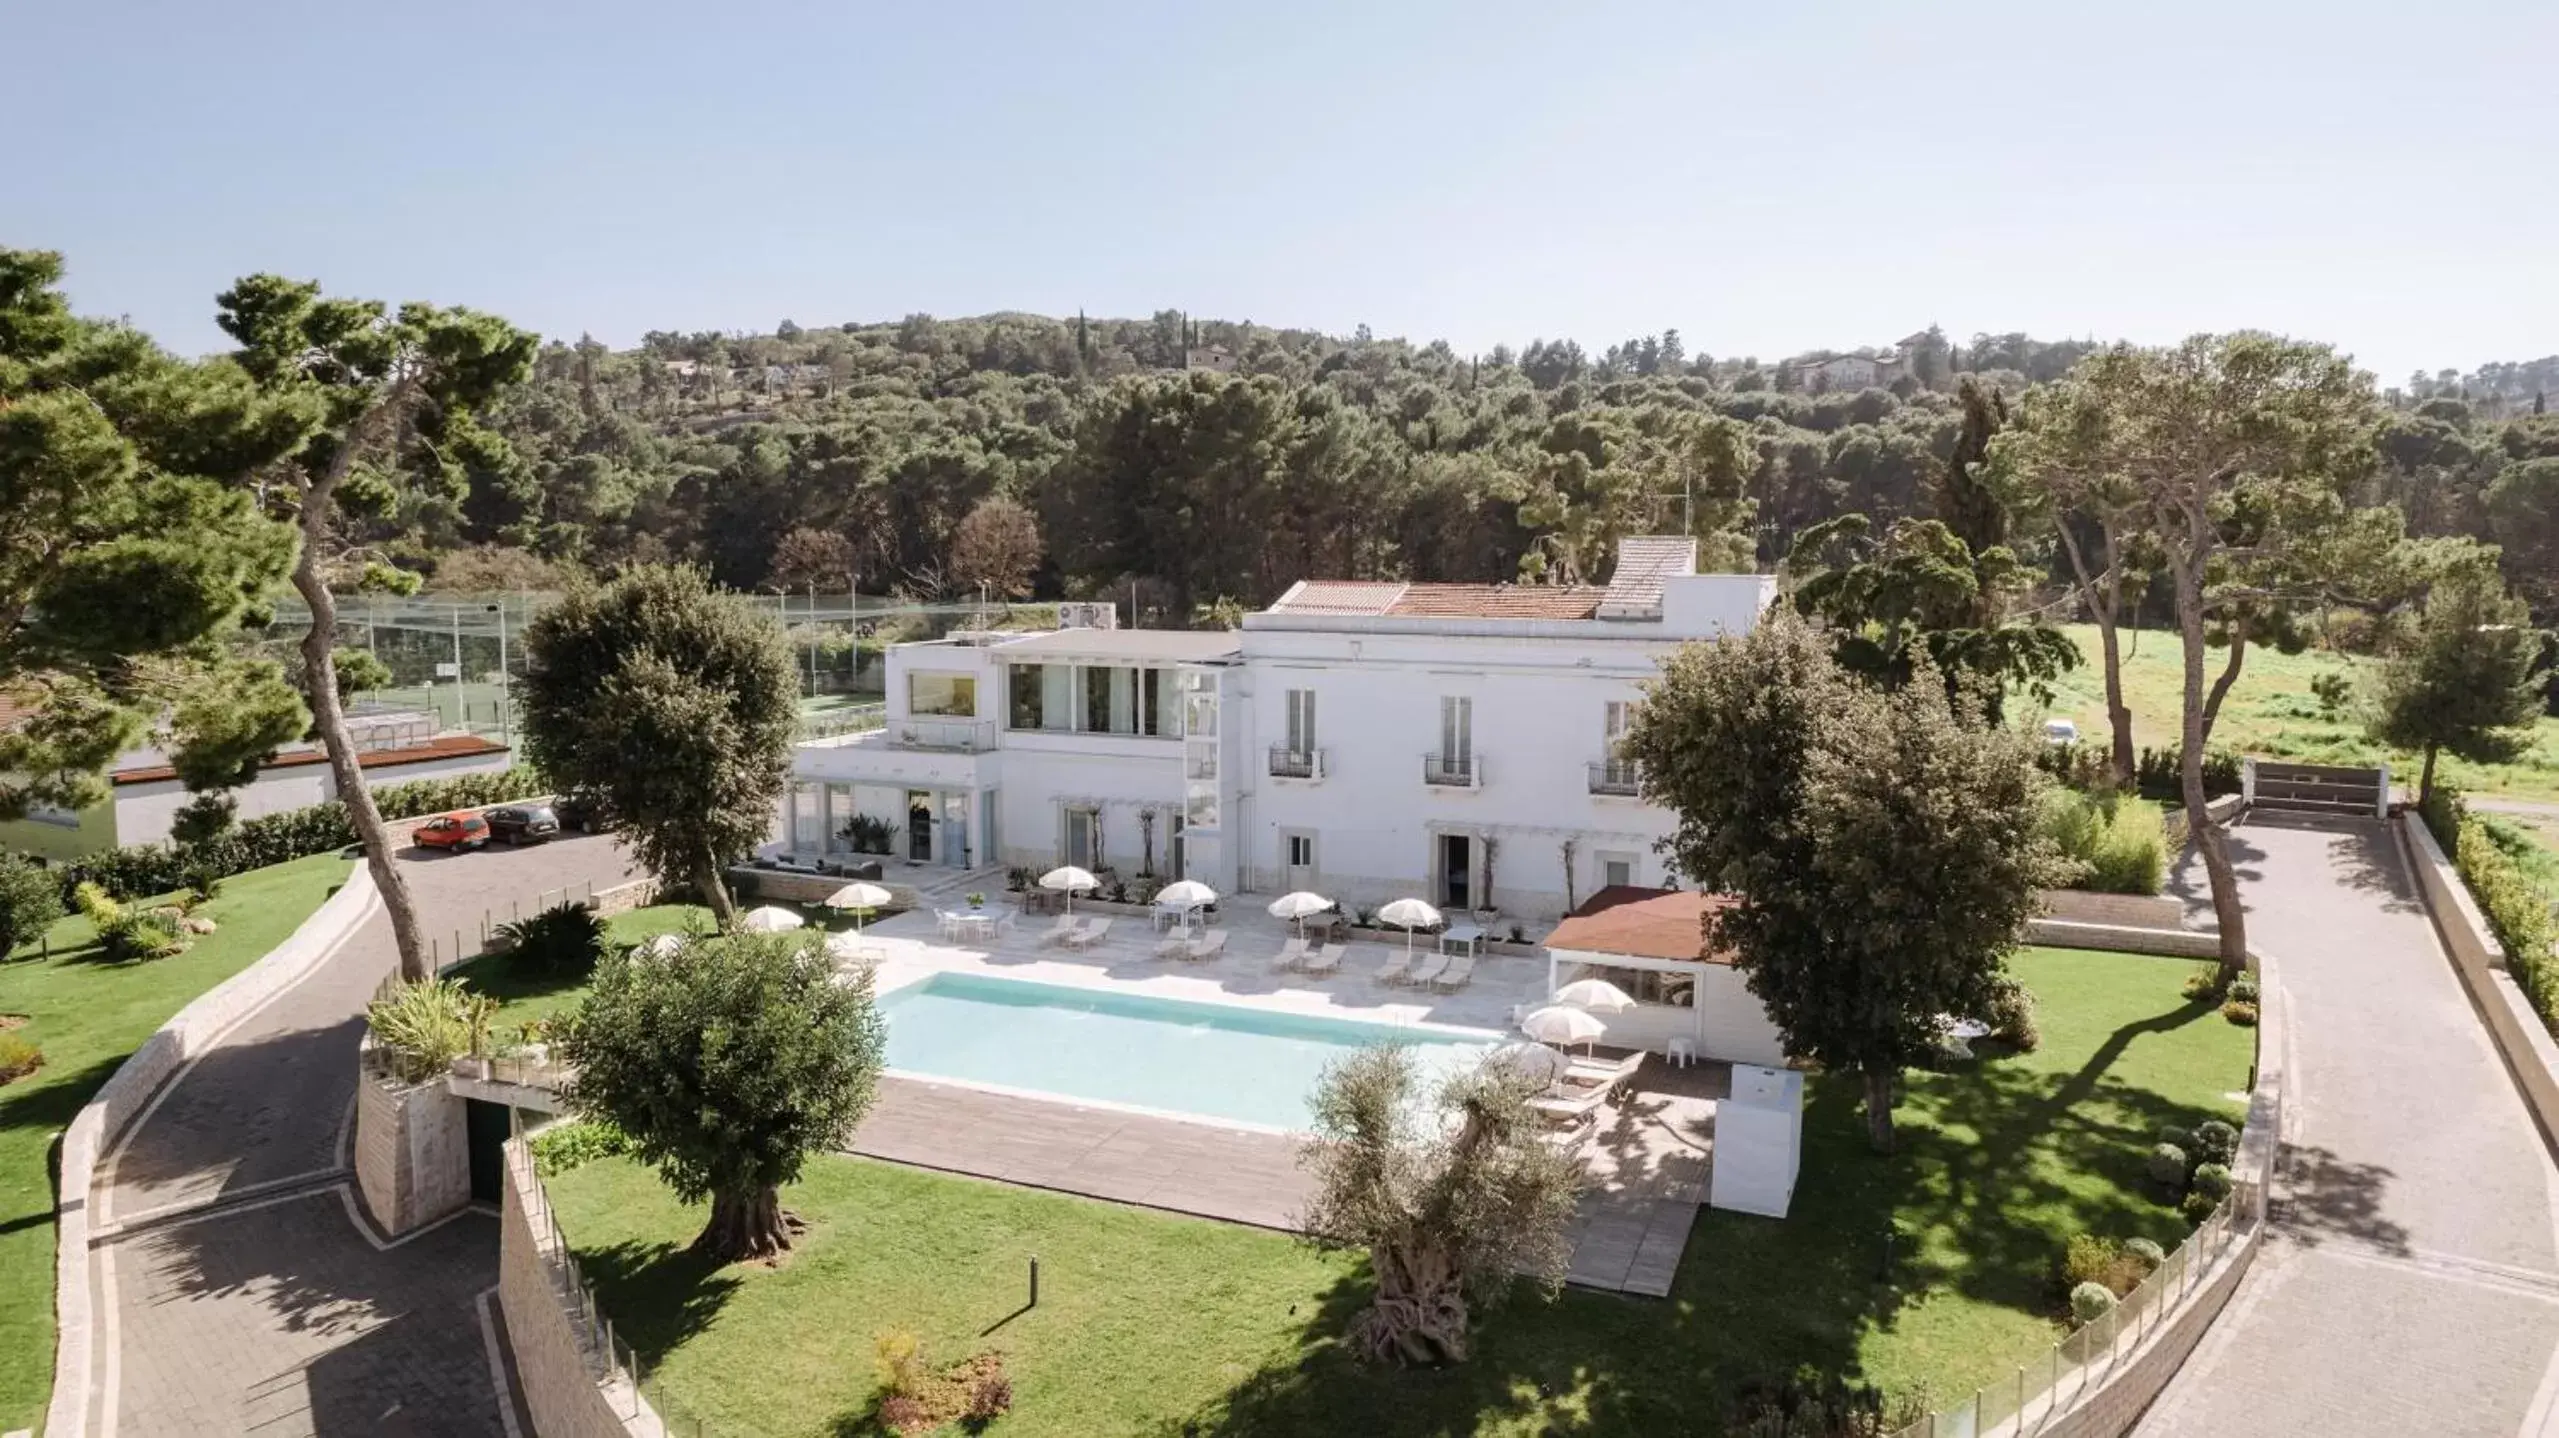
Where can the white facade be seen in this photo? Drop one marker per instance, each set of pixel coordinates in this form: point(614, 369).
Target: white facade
point(1366, 741)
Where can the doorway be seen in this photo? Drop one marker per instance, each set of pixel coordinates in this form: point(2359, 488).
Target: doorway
point(1297, 859)
point(1456, 868)
point(485, 1128)
point(919, 826)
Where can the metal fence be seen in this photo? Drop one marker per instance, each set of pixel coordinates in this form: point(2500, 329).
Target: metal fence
point(2042, 1392)
point(637, 1396)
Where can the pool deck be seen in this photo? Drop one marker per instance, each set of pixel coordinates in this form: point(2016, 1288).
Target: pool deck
point(1647, 1158)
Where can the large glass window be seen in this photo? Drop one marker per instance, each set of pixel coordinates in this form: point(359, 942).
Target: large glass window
point(1042, 697)
point(953, 695)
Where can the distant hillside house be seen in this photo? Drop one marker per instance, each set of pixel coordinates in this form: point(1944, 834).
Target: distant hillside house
point(1217, 358)
point(1850, 372)
point(145, 795)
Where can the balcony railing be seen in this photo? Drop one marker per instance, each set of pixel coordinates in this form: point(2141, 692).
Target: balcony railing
point(959, 736)
point(1616, 776)
point(1453, 771)
point(1287, 763)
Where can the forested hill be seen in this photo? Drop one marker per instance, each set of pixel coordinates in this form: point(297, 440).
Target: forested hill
point(1208, 460)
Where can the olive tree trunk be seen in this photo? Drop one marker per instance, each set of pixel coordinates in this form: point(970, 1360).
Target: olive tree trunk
point(747, 1224)
point(1419, 1313)
point(320, 679)
point(715, 892)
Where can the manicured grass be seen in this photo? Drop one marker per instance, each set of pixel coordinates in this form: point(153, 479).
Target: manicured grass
point(88, 1015)
point(1933, 1268)
point(2272, 712)
point(527, 998)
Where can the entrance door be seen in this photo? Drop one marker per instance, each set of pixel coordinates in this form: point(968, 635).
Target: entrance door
point(955, 830)
point(1456, 865)
point(1297, 856)
point(919, 827)
point(1078, 846)
point(484, 1131)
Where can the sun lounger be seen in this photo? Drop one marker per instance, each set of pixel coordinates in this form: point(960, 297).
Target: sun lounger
point(1290, 955)
point(1169, 946)
point(1090, 934)
point(1205, 947)
point(1454, 977)
point(1062, 931)
point(1604, 1074)
point(1571, 1108)
point(1428, 972)
point(1323, 963)
point(1392, 971)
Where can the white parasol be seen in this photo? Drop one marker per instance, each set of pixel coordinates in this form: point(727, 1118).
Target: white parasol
point(861, 898)
point(1297, 905)
point(1185, 896)
point(1408, 915)
point(1534, 1062)
point(1562, 1024)
point(769, 920)
point(1070, 881)
point(1599, 996)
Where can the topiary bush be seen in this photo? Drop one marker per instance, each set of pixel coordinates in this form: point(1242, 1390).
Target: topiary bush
point(2243, 988)
point(2215, 1142)
point(2090, 1302)
point(2146, 1253)
point(562, 941)
point(2203, 984)
point(2168, 1167)
point(2183, 1138)
point(2240, 1012)
point(2196, 1207)
point(2211, 1181)
point(2012, 1015)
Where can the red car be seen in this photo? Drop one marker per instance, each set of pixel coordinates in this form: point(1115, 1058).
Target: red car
point(453, 831)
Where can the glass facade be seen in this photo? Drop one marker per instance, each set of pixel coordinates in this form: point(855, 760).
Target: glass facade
point(1091, 699)
point(951, 695)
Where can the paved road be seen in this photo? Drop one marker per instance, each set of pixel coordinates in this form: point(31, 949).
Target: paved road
point(241, 1295)
point(2411, 1282)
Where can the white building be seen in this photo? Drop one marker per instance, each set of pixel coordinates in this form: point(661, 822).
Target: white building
point(1363, 739)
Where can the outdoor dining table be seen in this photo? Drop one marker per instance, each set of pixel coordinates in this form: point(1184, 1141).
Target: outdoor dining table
point(975, 924)
point(1467, 939)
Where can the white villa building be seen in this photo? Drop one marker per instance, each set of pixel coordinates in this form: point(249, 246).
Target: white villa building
point(1363, 739)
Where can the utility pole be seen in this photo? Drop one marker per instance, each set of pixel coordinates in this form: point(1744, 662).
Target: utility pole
point(506, 726)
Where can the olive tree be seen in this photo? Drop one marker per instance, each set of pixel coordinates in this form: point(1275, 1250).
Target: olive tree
point(1452, 1195)
point(728, 1061)
point(1881, 848)
point(674, 705)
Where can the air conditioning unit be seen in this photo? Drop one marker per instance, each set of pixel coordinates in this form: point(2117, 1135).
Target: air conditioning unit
point(1088, 615)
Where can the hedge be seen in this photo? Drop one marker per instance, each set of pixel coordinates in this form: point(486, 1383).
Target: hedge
point(2156, 772)
point(139, 870)
point(2515, 910)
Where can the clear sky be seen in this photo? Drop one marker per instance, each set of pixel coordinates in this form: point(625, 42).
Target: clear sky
point(1765, 177)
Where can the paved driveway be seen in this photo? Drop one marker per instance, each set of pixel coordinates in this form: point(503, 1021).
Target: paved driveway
point(2411, 1281)
point(239, 1295)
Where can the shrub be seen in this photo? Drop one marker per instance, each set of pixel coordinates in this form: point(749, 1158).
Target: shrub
point(2196, 1207)
point(2215, 1142)
point(2517, 912)
point(2088, 1259)
point(563, 1147)
point(2090, 1302)
point(2145, 1253)
point(2333, 690)
point(990, 1398)
point(2117, 844)
point(19, 1057)
point(2156, 776)
point(2168, 1166)
point(2240, 1012)
point(904, 1413)
point(1810, 1405)
point(422, 1028)
point(564, 940)
point(2204, 983)
point(2243, 988)
point(897, 1355)
point(30, 900)
point(125, 932)
point(2212, 1181)
point(2012, 1014)
point(2181, 1137)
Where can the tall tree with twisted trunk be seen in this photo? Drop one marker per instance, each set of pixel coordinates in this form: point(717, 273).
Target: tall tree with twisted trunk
point(2233, 453)
point(385, 398)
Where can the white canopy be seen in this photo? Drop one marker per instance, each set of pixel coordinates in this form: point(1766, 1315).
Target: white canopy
point(1408, 915)
point(1296, 905)
point(1184, 894)
point(862, 895)
point(1597, 995)
point(770, 920)
point(1562, 1024)
point(1070, 881)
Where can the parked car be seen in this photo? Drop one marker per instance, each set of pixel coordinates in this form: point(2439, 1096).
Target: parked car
point(523, 823)
point(453, 831)
point(580, 812)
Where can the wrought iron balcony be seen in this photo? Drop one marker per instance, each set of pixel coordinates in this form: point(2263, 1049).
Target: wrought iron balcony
point(1616, 776)
point(1453, 771)
point(1288, 763)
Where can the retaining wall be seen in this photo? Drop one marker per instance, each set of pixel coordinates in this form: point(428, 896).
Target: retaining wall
point(2124, 938)
point(412, 1152)
point(569, 1389)
point(2522, 1040)
point(122, 1097)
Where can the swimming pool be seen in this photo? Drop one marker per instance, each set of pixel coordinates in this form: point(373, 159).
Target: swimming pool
point(1216, 1061)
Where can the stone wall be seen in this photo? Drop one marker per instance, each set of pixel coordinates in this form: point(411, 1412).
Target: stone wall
point(2121, 938)
point(570, 1389)
point(2115, 1406)
point(120, 1100)
point(412, 1152)
point(2134, 911)
point(2517, 1031)
point(623, 898)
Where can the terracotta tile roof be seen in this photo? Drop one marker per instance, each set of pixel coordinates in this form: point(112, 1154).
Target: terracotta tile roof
point(443, 746)
point(1642, 923)
point(1644, 561)
point(1339, 596)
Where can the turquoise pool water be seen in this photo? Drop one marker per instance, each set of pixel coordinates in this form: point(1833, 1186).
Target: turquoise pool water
point(1213, 1060)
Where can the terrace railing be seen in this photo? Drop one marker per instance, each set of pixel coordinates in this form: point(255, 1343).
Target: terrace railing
point(1616, 776)
point(958, 736)
point(1287, 763)
point(1453, 771)
point(836, 723)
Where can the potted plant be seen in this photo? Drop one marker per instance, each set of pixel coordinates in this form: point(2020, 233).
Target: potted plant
point(977, 902)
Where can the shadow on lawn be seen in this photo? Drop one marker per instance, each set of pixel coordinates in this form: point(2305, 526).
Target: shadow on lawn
point(1997, 1166)
point(664, 1292)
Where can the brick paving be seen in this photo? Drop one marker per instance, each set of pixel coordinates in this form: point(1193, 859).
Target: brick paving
point(283, 1318)
point(2411, 1280)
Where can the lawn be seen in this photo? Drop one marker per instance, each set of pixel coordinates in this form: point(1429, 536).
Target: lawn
point(88, 1015)
point(1930, 1270)
point(2272, 713)
point(527, 998)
